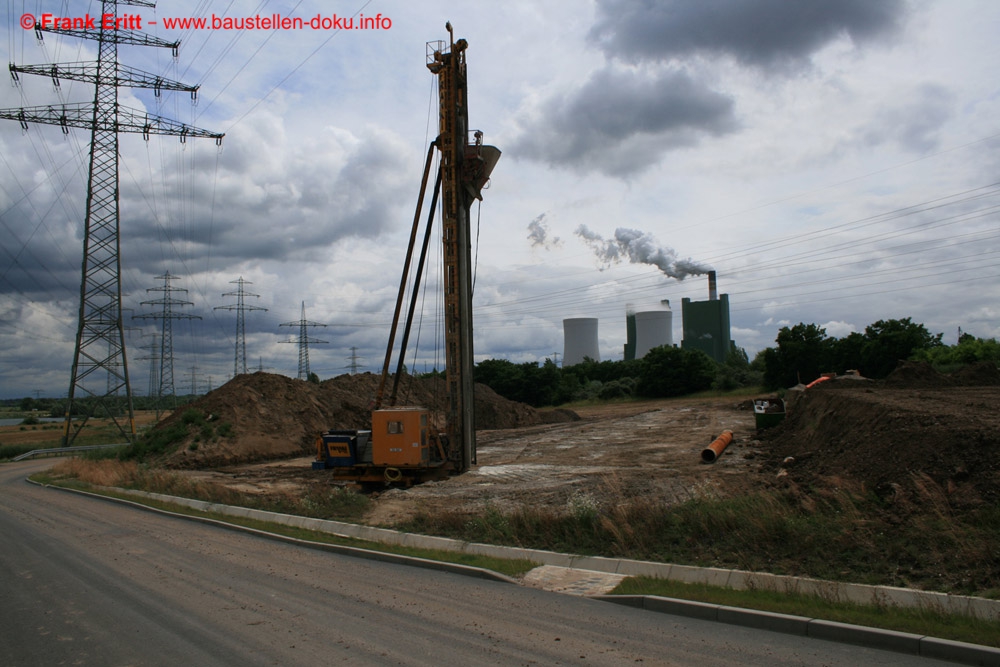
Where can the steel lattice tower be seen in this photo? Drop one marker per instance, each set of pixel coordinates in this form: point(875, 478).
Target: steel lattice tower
point(154, 368)
point(167, 316)
point(100, 369)
point(303, 340)
point(354, 360)
point(240, 307)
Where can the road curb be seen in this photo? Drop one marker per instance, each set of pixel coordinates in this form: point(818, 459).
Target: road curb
point(888, 640)
point(356, 552)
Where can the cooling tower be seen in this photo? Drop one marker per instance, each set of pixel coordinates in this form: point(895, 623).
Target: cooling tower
point(653, 328)
point(580, 340)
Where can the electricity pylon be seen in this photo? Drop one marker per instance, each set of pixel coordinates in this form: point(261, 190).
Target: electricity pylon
point(353, 367)
point(100, 369)
point(167, 315)
point(240, 307)
point(303, 340)
point(154, 370)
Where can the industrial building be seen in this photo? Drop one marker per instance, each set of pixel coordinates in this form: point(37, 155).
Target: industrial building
point(705, 326)
point(580, 340)
point(706, 323)
point(647, 329)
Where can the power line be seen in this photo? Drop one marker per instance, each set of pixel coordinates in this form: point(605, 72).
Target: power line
point(167, 317)
point(240, 307)
point(100, 339)
point(303, 341)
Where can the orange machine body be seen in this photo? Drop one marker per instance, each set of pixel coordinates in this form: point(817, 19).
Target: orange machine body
point(400, 437)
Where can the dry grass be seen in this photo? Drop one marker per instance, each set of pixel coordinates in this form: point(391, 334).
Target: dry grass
point(107, 472)
point(322, 502)
point(836, 532)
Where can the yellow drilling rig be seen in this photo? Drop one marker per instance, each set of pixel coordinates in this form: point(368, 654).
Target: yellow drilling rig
point(402, 445)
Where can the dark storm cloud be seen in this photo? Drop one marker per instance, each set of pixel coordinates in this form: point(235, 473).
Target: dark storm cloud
point(39, 257)
point(293, 203)
point(621, 121)
point(760, 33)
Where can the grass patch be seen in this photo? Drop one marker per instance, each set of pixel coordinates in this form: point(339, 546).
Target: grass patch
point(10, 451)
point(319, 502)
point(930, 622)
point(838, 535)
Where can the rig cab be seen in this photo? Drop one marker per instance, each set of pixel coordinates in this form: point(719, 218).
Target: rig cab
point(400, 447)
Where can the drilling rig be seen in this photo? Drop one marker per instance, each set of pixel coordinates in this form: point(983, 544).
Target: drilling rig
point(402, 445)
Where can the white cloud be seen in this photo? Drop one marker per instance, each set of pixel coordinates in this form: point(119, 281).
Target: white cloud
point(831, 174)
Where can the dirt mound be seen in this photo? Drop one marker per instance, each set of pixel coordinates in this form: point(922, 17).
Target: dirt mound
point(265, 416)
point(915, 375)
point(894, 436)
point(981, 374)
point(558, 416)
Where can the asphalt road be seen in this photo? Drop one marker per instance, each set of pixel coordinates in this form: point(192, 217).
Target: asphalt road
point(89, 582)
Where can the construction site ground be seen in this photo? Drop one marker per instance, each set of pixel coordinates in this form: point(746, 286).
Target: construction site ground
point(918, 439)
point(649, 448)
point(918, 449)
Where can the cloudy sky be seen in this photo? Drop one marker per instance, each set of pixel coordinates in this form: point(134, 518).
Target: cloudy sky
point(835, 162)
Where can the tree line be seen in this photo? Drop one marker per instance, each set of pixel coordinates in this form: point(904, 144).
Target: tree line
point(802, 353)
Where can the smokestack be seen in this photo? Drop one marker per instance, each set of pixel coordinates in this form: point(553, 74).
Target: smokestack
point(713, 291)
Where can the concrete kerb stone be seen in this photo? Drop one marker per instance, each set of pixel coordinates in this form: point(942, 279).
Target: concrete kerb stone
point(688, 608)
point(763, 620)
point(690, 574)
point(641, 568)
point(890, 640)
point(513, 553)
point(595, 564)
point(970, 654)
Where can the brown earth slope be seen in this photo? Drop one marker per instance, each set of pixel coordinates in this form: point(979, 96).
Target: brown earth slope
point(264, 416)
point(915, 427)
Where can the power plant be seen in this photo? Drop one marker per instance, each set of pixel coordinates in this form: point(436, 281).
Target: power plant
point(706, 323)
point(705, 327)
point(647, 329)
point(580, 340)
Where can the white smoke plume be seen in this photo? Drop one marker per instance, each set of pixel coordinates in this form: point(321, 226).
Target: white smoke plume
point(538, 234)
point(639, 248)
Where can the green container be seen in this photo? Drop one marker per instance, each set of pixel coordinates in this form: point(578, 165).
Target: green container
point(768, 412)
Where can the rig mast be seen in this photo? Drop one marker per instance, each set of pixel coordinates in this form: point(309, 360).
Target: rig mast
point(465, 169)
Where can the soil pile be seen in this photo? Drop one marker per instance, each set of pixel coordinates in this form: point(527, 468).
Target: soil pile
point(265, 416)
point(897, 436)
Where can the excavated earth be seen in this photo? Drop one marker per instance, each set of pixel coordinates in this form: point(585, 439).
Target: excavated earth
point(912, 432)
point(914, 429)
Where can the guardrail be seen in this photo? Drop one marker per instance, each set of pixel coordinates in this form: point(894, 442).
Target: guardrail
point(64, 450)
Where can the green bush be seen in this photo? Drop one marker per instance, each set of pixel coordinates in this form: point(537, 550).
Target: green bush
point(193, 416)
point(674, 371)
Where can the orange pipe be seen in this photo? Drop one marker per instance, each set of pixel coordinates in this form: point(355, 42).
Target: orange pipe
point(714, 451)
